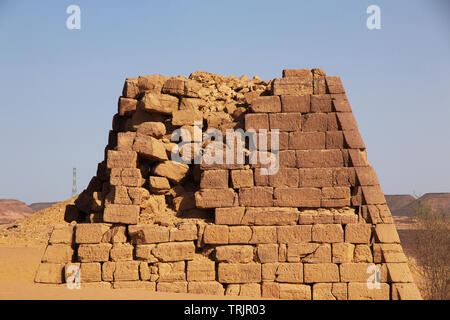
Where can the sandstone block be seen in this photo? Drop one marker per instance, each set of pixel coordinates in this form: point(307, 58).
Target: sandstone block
point(90, 272)
point(255, 197)
point(297, 197)
point(301, 73)
point(186, 117)
point(241, 178)
point(126, 271)
point(294, 234)
point(121, 159)
point(289, 272)
point(256, 121)
point(149, 147)
point(285, 121)
point(126, 106)
point(144, 252)
point(360, 291)
point(215, 234)
point(173, 287)
point(61, 235)
point(151, 83)
point(386, 233)
point(239, 273)
point(340, 103)
point(263, 235)
point(405, 291)
point(158, 185)
point(267, 252)
point(399, 272)
point(147, 285)
point(366, 176)
point(346, 121)
point(121, 252)
point(358, 232)
point(319, 158)
point(174, 171)
point(343, 177)
point(252, 290)
point(213, 198)
point(315, 177)
point(234, 254)
point(50, 273)
point(130, 88)
point(214, 179)
point(270, 216)
point(206, 287)
point(229, 216)
point(363, 253)
point(334, 84)
point(182, 87)
point(343, 252)
point(270, 290)
point(353, 140)
point(295, 103)
point(323, 291)
point(306, 140)
point(118, 213)
point(152, 129)
point(129, 177)
point(292, 86)
point(388, 252)
point(175, 251)
point(94, 252)
point(58, 253)
point(108, 268)
point(354, 272)
point(292, 291)
point(90, 232)
point(159, 103)
point(315, 122)
point(334, 140)
point(321, 272)
point(266, 104)
point(147, 233)
point(321, 103)
point(184, 232)
point(201, 270)
point(358, 158)
point(239, 235)
point(319, 83)
point(172, 271)
point(329, 233)
point(285, 177)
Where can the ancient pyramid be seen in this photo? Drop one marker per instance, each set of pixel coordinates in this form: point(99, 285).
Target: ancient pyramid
point(161, 217)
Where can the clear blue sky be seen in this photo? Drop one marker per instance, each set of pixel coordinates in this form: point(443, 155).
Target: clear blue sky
point(59, 87)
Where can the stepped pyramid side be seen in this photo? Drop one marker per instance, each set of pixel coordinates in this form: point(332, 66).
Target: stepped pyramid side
point(317, 227)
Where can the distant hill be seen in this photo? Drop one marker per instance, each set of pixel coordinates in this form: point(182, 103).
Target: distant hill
point(41, 205)
point(12, 210)
point(405, 205)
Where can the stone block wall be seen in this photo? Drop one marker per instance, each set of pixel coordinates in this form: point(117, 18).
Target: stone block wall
point(312, 230)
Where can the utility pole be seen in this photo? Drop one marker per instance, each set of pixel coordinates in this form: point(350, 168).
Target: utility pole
point(74, 182)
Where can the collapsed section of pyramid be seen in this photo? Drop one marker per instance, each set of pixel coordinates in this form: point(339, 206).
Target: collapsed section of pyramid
point(238, 187)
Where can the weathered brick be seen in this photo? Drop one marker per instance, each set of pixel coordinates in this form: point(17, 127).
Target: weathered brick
point(289, 272)
point(295, 103)
point(332, 122)
point(294, 234)
point(129, 177)
point(358, 158)
point(234, 254)
point(405, 291)
point(285, 121)
point(293, 86)
point(215, 234)
point(90, 272)
point(241, 178)
point(256, 197)
point(144, 252)
point(229, 216)
point(121, 159)
point(358, 232)
point(315, 177)
point(334, 84)
point(266, 104)
point(184, 232)
point(388, 252)
point(343, 252)
point(264, 234)
point(366, 176)
point(121, 252)
point(314, 122)
point(373, 195)
point(353, 140)
point(181, 87)
point(172, 287)
point(213, 198)
point(297, 197)
point(94, 252)
point(319, 83)
point(50, 273)
point(340, 103)
point(321, 272)
point(319, 158)
point(334, 140)
point(126, 106)
point(270, 290)
point(267, 252)
point(363, 253)
point(207, 287)
point(118, 213)
point(125, 141)
point(306, 140)
point(292, 291)
point(239, 234)
point(214, 179)
point(321, 103)
point(147, 233)
point(172, 170)
point(58, 253)
point(90, 232)
point(62, 234)
point(399, 272)
point(343, 177)
point(360, 291)
point(287, 158)
point(130, 88)
point(172, 271)
point(354, 272)
point(201, 270)
point(174, 251)
point(186, 117)
point(285, 177)
point(149, 147)
point(239, 273)
point(256, 121)
point(346, 121)
point(270, 216)
point(329, 233)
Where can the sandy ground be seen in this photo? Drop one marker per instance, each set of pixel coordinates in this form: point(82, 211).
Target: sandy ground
point(19, 264)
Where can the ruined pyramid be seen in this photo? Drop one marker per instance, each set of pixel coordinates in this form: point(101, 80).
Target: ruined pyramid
point(233, 186)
